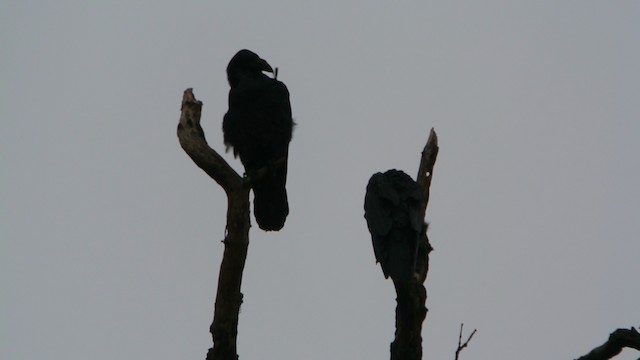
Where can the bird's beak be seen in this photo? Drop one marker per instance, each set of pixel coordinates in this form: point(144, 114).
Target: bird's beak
point(266, 67)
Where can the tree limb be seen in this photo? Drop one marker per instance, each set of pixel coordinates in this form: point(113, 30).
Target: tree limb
point(617, 341)
point(412, 296)
point(461, 346)
point(224, 329)
point(425, 174)
point(427, 161)
point(192, 140)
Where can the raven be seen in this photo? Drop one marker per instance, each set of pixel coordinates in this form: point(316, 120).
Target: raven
point(259, 126)
point(392, 210)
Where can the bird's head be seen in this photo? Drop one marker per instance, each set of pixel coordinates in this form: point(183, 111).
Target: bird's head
point(246, 63)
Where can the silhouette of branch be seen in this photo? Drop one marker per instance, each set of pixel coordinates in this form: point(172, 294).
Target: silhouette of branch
point(425, 174)
point(618, 340)
point(224, 329)
point(461, 346)
point(192, 140)
point(427, 161)
point(412, 296)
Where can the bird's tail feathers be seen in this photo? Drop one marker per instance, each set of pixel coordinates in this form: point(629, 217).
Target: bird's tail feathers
point(270, 203)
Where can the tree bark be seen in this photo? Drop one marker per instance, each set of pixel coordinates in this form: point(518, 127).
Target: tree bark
point(412, 296)
point(224, 329)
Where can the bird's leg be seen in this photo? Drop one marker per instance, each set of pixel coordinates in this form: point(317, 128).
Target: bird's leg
point(269, 169)
point(249, 177)
point(272, 165)
point(246, 178)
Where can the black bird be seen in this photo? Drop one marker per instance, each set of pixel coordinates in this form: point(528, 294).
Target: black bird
point(392, 211)
point(258, 126)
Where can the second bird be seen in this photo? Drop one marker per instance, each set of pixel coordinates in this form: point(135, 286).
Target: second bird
point(392, 210)
point(259, 127)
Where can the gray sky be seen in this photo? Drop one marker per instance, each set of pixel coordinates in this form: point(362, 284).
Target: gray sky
point(111, 235)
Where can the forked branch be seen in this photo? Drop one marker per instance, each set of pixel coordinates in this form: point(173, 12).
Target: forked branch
point(461, 346)
point(224, 329)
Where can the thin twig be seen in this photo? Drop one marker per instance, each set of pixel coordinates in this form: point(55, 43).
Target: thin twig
point(466, 343)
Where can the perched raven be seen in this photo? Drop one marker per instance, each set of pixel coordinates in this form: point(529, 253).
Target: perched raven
point(392, 211)
point(258, 126)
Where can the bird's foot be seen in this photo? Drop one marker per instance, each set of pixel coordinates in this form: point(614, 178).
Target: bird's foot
point(247, 177)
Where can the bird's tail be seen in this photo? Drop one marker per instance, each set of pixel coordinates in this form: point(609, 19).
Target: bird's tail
point(270, 204)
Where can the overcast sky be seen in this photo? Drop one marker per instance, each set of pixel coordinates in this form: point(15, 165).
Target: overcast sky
point(110, 235)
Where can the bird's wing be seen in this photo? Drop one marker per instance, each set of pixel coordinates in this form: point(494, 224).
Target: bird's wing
point(376, 212)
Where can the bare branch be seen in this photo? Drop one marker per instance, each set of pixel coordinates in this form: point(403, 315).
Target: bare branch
point(461, 346)
point(618, 340)
point(425, 174)
point(224, 329)
point(412, 296)
point(192, 140)
point(427, 161)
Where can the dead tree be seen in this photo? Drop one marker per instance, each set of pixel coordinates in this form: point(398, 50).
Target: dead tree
point(224, 329)
point(412, 296)
point(410, 312)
